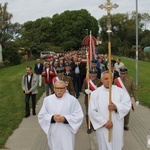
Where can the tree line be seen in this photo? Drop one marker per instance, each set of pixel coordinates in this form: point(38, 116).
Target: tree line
point(65, 32)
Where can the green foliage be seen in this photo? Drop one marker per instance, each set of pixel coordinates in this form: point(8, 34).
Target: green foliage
point(102, 49)
point(145, 56)
point(66, 30)
point(5, 24)
point(131, 54)
point(12, 106)
point(145, 40)
point(124, 32)
point(10, 53)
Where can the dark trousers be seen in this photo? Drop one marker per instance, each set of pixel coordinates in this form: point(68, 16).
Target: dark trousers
point(49, 87)
point(27, 102)
point(77, 84)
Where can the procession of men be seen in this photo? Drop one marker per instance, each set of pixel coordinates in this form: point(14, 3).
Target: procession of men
point(73, 74)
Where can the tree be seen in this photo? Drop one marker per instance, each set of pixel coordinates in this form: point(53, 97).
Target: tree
point(11, 53)
point(66, 30)
point(145, 40)
point(5, 23)
point(123, 31)
point(9, 32)
point(145, 19)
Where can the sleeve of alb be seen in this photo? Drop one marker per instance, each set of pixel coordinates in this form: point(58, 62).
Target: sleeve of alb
point(52, 120)
point(66, 122)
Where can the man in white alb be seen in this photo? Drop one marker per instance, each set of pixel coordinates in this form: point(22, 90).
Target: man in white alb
point(99, 108)
point(60, 117)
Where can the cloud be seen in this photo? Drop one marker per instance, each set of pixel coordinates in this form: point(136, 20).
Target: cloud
point(25, 10)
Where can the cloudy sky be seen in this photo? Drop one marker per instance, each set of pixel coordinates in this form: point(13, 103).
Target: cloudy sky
point(25, 10)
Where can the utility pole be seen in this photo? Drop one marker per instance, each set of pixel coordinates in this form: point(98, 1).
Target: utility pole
point(136, 66)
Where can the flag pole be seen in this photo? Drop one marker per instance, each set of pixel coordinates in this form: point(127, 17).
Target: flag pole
point(108, 6)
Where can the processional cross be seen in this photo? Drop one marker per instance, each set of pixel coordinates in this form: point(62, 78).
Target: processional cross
point(109, 6)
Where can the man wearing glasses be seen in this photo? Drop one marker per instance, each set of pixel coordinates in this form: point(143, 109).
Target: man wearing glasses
point(60, 117)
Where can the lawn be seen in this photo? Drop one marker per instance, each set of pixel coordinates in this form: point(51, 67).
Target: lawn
point(143, 78)
point(12, 104)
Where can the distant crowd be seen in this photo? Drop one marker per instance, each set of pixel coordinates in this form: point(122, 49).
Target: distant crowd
point(74, 65)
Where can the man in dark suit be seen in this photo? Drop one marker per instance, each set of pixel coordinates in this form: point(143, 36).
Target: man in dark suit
point(75, 66)
point(38, 68)
point(29, 87)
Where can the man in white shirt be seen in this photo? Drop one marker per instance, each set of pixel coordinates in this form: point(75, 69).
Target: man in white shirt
point(118, 65)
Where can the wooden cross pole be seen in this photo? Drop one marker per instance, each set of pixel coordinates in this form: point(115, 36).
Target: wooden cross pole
point(88, 76)
point(108, 6)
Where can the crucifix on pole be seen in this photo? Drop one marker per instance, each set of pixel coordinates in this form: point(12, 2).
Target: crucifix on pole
point(109, 6)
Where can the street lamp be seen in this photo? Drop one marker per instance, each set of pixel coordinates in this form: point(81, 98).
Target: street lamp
point(136, 66)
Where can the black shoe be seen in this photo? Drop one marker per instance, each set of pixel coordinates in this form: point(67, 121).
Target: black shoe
point(27, 115)
point(126, 128)
point(33, 113)
point(77, 97)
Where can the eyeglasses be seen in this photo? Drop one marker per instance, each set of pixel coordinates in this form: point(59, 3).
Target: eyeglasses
point(60, 88)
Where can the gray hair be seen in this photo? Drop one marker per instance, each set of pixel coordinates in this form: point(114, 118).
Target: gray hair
point(59, 82)
point(107, 71)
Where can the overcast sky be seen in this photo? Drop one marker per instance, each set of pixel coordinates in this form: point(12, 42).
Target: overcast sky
point(25, 10)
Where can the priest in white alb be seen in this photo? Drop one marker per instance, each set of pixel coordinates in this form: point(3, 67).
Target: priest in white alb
point(60, 117)
point(99, 108)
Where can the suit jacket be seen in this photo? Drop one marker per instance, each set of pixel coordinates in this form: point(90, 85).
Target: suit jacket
point(115, 74)
point(73, 66)
point(38, 70)
point(72, 75)
point(34, 83)
point(51, 76)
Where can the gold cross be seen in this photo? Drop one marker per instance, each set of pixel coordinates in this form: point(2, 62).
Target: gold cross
point(108, 6)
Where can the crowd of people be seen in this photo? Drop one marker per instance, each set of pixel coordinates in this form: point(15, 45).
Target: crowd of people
point(65, 76)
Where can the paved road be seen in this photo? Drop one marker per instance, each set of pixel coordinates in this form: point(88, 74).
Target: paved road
point(29, 135)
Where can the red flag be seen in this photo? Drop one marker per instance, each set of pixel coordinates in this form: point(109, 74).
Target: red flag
point(91, 48)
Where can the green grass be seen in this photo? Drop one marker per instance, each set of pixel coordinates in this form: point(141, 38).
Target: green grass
point(143, 78)
point(12, 104)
